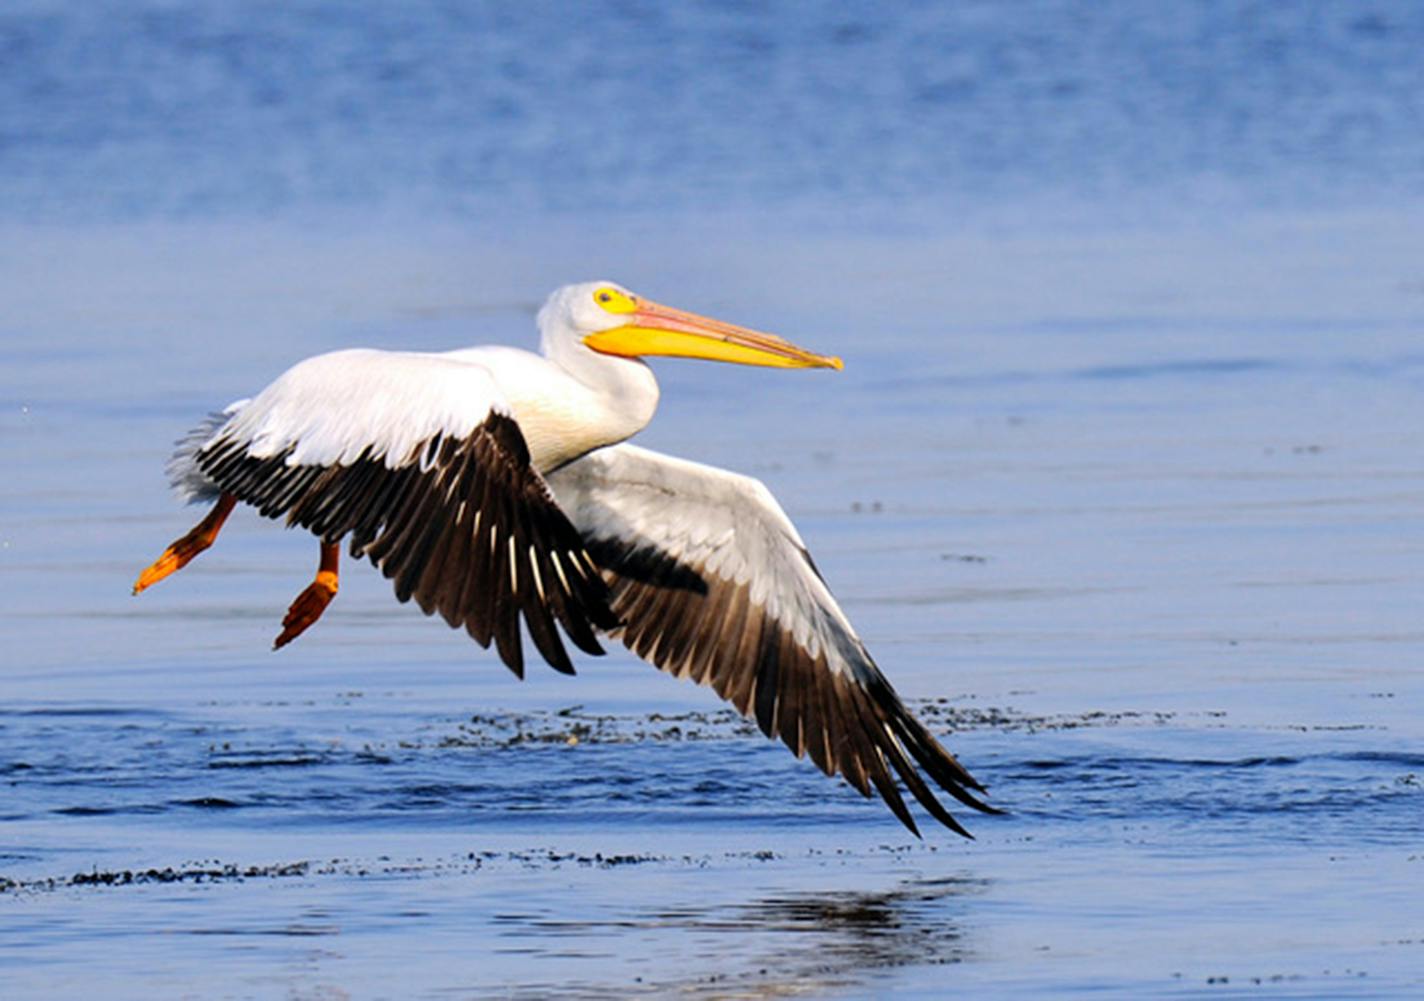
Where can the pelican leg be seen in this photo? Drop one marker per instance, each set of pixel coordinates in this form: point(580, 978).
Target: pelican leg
point(182, 551)
point(313, 601)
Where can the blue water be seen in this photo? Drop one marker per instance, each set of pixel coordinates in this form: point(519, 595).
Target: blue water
point(1121, 484)
point(131, 109)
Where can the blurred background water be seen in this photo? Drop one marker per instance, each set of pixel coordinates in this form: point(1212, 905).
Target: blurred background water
point(1121, 483)
point(135, 109)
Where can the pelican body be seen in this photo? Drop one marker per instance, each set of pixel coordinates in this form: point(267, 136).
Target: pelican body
point(495, 485)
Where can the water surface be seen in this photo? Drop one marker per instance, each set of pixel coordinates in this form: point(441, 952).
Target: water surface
point(1120, 484)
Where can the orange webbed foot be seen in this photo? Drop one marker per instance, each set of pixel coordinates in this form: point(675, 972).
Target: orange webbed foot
point(181, 552)
point(309, 605)
point(305, 610)
point(174, 558)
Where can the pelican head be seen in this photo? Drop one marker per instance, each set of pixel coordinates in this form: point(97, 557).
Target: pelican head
point(607, 318)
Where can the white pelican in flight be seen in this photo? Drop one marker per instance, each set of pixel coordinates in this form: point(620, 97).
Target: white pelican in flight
point(492, 484)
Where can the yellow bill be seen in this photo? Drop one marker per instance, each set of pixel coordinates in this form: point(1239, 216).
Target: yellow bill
point(655, 329)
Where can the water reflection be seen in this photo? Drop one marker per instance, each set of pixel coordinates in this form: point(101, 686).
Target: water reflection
point(798, 943)
point(826, 936)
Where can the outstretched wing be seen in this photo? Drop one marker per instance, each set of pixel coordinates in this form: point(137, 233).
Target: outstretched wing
point(418, 460)
point(713, 583)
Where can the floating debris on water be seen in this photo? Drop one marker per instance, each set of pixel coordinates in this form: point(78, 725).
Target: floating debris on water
point(573, 727)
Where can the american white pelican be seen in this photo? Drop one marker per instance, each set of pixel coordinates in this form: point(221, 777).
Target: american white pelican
point(490, 484)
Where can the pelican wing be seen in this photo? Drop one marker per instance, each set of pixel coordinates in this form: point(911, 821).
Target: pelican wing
point(713, 583)
point(419, 460)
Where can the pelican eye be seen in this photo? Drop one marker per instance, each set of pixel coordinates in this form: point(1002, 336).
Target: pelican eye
point(614, 301)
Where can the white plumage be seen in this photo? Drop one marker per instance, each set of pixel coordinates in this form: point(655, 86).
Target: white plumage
point(727, 525)
point(331, 409)
point(490, 485)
